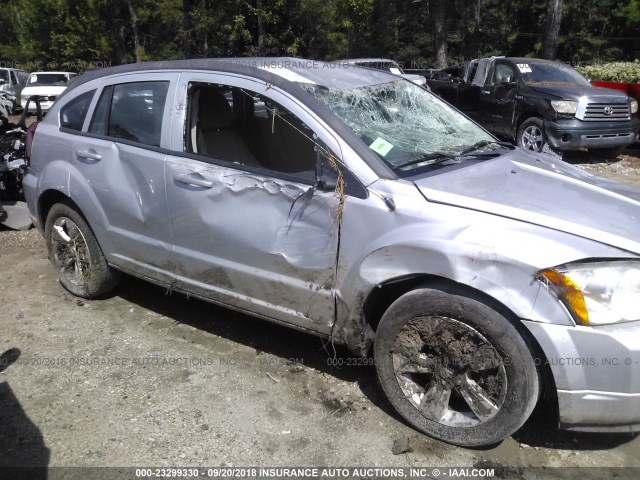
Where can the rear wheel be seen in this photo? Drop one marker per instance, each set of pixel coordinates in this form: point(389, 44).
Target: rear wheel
point(76, 255)
point(455, 368)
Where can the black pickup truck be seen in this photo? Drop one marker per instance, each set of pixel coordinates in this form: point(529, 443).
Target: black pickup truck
point(541, 105)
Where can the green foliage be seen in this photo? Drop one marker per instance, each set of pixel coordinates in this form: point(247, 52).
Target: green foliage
point(86, 32)
point(612, 72)
point(630, 13)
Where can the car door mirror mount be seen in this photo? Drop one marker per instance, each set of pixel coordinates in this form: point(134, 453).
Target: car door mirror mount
point(326, 176)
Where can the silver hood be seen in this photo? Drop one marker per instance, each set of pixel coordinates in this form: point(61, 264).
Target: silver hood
point(546, 191)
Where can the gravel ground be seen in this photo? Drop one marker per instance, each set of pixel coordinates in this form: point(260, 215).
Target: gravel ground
point(626, 169)
point(144, 377)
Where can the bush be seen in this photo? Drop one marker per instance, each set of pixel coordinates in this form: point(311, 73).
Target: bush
point(612, 72)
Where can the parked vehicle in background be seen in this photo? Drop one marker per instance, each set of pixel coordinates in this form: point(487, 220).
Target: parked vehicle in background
point(6, 107)
point(386, 65)
point(12, 81)
point(46, 85)
point(357, 206)
point(541, 104)
point(631, 89)
point(13, 166)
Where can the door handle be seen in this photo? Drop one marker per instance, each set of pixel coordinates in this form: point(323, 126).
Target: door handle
point(486, 92)
point(88, 154)
point(190, 180)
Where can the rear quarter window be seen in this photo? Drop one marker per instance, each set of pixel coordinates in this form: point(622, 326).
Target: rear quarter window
point(72, 115)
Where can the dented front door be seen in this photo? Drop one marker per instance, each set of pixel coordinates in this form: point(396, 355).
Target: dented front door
point(254, 241)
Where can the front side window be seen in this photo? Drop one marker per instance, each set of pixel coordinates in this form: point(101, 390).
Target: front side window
point(131, 111)
point(502, 73)
point(240, 126)
point(72, 115)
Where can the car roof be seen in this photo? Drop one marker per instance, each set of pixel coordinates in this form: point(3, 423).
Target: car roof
point(531, 60)
point(270, 69)
point(282, 72)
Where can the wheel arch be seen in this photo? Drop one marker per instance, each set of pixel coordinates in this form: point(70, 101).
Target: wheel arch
point(48, 199)
point(383, 295)
point(51, 197)
point(59, 182)
point(523, 117)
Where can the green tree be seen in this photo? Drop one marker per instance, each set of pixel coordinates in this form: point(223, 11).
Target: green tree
point(418, 33)
point(551, 29)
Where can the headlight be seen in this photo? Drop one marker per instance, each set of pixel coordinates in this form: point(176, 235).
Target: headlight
point(634, 106)
point(564, 106)
point(597, 293)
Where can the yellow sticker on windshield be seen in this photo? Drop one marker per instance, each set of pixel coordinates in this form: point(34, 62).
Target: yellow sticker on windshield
point(381, 146)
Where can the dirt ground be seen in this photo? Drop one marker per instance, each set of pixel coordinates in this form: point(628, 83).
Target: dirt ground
point(146, 378)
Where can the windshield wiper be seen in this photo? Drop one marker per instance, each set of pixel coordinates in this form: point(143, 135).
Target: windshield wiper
point(485, 143)
point(440, 157)
point(432, 159)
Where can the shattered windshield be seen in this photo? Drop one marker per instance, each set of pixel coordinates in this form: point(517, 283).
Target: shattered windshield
point(550, 74)
point(404, 124)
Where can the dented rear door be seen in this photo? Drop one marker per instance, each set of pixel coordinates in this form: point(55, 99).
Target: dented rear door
point(122, 160)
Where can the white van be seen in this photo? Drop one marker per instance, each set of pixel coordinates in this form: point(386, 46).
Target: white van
point(47, 85)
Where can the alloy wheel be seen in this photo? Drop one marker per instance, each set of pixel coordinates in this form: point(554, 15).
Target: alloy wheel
point(532, 138)
point(449, 371)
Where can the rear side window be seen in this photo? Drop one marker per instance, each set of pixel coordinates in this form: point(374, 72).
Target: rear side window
point(131, 111)
point(72, 115)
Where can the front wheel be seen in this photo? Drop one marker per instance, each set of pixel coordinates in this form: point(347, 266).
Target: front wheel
point(532, 135)
point(76, 254)
point(455, 368)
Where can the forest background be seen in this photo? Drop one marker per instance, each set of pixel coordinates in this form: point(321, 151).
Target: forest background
point(75, 35)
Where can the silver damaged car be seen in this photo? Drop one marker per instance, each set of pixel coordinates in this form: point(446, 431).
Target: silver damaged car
point(357, 206)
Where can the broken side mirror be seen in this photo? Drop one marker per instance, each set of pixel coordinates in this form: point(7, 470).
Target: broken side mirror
point(326, 175)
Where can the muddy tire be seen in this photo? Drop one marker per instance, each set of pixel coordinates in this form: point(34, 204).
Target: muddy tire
point(532, 135)
point(455, 368)
point(76, 254)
